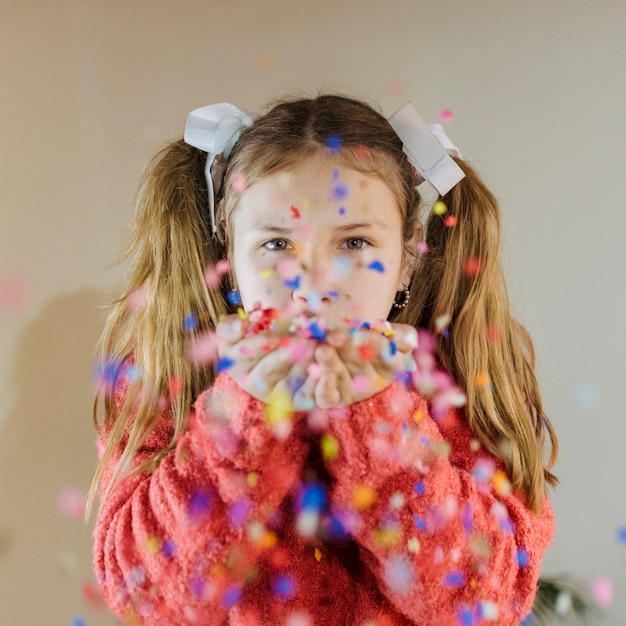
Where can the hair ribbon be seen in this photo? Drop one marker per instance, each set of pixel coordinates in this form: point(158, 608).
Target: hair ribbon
point(215, 129)
point(428, 148)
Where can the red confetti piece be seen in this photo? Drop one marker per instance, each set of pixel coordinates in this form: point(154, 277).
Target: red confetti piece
point(450, 221)
point(361, 153)
point(295, 213)
point(472, 266)
point(366, 352)
point(175, 386)
point(71, 502)
point(92, 595)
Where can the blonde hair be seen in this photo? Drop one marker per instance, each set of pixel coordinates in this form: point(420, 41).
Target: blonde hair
point(170, 246)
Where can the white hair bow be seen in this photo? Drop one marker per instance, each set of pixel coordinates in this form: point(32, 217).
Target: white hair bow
point(427, 148)
point(215, 129)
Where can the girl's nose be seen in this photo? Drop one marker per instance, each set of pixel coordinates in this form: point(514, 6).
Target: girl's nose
point(313, 284)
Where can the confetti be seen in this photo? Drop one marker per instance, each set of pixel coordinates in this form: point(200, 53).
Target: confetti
point(79, 621)
point(329, 446)
point(202, 350)
point(213, 273)
point(398, 575)
point(333, 144)
point(563, 603)
point(71, 502)
point(364, 497)
point(522, 557)
point(602, 591)
point(439, 208)
point(450, 221)
point(362, 153)
point(422, 247)
point(137, 299)
point(238, 182)
point(231, 596)
point(446, 115)
point(233, 297)
point(340, 191)
point(13, 292)
point(285, 587)
point(472, 266)
point(190, 322)
point(199, 505)
point(377, 266)
point(317, 553)
point(266, 62)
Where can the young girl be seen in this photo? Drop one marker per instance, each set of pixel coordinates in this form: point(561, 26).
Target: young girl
point(277, 446)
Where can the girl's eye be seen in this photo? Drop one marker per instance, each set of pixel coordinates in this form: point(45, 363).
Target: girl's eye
point(277, 244)
point(354, 243)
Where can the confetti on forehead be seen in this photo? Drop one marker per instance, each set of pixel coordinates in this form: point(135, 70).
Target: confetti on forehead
point(333, 143)
point(238, 182)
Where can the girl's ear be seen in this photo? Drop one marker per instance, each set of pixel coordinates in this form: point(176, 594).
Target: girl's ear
point(408, 264)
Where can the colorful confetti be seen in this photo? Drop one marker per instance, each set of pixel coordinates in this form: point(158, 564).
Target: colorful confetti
point(446, 115)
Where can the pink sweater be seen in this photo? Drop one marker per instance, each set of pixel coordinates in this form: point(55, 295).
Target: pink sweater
point(412, 532)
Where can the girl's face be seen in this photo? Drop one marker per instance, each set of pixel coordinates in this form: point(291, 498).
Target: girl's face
point(321, 240)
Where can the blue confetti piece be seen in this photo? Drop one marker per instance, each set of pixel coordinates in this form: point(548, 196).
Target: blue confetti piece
point(79, 621)
point(313, 497)
point(621, 534)
point(340, 191)
point(293, 283)
point(522, 557)
point(419, 523)
point(454, 579)
point(335, 528)
point(284, 587)
point(233, 297)
point(336, 173)
point(333, 294)
point(317, 331)
point(393, 347)
point(466, 617)
point(168, 549)
point(223, 363)
point(190, 322)
point(333, 143)
point(199, 503)
point(341, 210)
point(377, 266)
point(468, 524)
point(419, 488)
point(231, 596)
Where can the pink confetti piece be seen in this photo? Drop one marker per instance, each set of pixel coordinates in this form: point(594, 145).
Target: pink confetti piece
point(446, 115)
point(602, 591)
point(422, 247)
point(137, 299)
point(238, 182)
point(71, 502)
point(287, 268)
point(13, 292)
point(213, 273)
point(203, 349)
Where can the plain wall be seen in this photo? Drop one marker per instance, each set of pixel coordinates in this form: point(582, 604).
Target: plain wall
point(89, 89)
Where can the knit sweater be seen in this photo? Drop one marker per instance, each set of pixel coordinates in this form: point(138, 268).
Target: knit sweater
point(399, 520)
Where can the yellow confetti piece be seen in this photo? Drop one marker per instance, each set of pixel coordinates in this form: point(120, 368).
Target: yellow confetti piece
point(388, 537)
point(501, 483)
point(253, 478)
point(279, 408)
point(318, 554)
point(241, 312)
point(364, 497)
point(265, 273)
point(439, 208)
point(269, 540)
point(418, 415)
point(330, 447)
point(474, 445)
point(153, 544)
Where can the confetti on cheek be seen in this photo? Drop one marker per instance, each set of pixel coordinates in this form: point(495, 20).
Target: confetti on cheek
point(238, 182)
point(446, 115)
point(295, 213)
point(376, 266)
point(602, 591)
point(71, 502)
point(450, 221)
point(287, 268)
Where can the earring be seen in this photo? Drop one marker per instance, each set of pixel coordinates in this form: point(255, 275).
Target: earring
point(405, 300)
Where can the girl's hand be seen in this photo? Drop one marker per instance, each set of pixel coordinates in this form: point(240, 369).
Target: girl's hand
point(353, 368)
point(272, 368)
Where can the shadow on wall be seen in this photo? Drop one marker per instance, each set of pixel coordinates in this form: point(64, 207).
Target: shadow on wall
point(47, 458)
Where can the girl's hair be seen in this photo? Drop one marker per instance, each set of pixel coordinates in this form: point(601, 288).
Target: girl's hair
point(170, 247)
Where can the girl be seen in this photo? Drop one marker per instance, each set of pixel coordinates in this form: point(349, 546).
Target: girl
point(302, 462)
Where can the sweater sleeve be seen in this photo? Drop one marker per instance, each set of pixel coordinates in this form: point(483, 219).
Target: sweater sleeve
point(443, 538)
point(177, 545)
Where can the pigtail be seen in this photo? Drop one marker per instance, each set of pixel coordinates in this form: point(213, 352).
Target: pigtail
point(460, 293)
point(166, 302)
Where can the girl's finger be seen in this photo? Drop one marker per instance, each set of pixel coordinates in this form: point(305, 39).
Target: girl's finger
point(232, 328)
point(326, 392)
point(405, 337)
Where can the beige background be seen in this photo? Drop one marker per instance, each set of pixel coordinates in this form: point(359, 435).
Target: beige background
point(89, 88)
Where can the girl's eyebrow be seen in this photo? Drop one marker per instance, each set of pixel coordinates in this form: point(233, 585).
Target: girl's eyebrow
point(270, 228)
point(375, 222)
